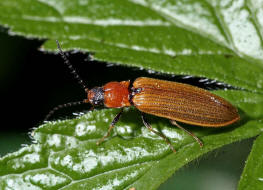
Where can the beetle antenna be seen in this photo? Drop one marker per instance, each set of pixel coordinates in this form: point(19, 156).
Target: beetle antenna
point(61, 107)
point(73, 70)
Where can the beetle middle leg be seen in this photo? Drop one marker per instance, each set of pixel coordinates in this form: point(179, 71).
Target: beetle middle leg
point(173, 122)
point(145, 122)
point(115, 120)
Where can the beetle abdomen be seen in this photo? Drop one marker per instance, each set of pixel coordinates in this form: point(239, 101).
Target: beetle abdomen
point(182, 102)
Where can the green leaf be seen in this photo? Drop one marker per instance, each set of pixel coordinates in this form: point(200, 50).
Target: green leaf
point(252, 177)
point(66, 155)
point(220, 40)
point(214, 39)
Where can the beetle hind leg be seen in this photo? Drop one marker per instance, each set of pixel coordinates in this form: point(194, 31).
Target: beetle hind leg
point(173, 122)
point(145, 122)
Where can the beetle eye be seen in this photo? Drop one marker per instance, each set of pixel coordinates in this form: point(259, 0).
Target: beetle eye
point(96, 96)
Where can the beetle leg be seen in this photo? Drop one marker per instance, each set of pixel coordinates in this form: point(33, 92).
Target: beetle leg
point(188, 132)
point(145, 122)
point(115, 120)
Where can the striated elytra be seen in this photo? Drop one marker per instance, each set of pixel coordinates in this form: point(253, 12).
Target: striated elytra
point(183, 102)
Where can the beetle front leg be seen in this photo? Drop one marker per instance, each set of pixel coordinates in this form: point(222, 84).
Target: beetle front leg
point(115, 120)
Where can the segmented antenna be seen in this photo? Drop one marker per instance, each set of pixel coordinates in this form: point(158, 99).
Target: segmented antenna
point(76, 76)
point(62, 106)
point(73, 71)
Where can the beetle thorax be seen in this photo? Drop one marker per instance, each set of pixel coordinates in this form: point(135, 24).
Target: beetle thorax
point(116, 94)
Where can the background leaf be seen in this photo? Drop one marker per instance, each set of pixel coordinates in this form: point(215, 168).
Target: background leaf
point(218, 40)
point(252, 175)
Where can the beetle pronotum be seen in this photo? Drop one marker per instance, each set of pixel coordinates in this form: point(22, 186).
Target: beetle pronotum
point(172, 100)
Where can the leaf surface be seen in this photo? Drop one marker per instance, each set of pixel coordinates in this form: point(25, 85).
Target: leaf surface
point(220, 40)
point(66, 155)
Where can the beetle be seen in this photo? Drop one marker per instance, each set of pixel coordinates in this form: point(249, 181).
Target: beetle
point(172, 100)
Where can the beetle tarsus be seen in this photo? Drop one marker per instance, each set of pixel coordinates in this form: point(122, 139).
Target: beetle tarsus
point(173, 122)
point(156, 132)
point(105, 136)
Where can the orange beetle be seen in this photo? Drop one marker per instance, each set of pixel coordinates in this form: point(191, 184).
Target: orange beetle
point(171, 100)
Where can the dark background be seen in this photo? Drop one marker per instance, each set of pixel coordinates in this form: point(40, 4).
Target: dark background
point(33, 82)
